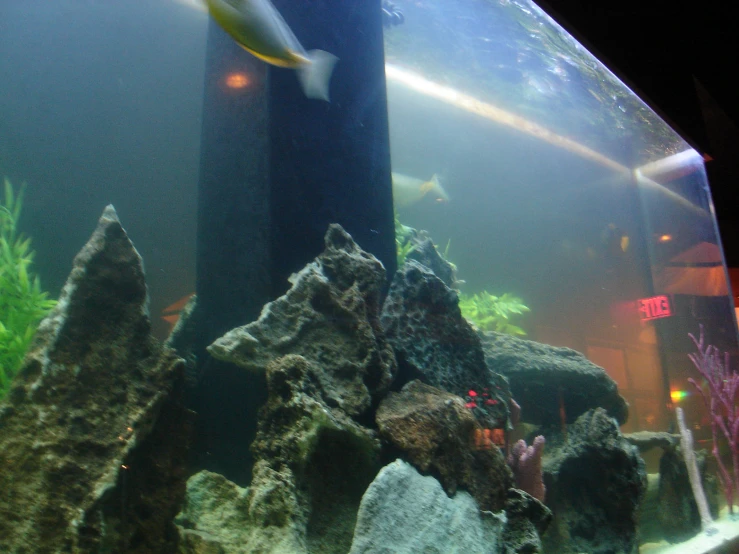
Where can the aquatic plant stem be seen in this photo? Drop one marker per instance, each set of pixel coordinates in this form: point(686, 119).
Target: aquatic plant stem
point(686, 444)
point(721, 402)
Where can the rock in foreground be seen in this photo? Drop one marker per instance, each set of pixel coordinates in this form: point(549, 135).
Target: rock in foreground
point(405, 513)
point(330, 317)
point(93, 438)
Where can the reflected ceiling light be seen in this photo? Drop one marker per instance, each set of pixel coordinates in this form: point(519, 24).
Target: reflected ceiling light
point(673, 167)
point(491, 112)
point(664, 238)
point(237, 80)
point(488, 111)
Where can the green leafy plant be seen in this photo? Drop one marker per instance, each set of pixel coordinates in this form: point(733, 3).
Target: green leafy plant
point(22, 303)
point(403, 243)
point(493, 313)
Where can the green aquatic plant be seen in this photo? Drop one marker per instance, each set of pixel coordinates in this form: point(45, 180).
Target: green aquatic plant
point(403, 243)
point(493, 313)
point(22, 303)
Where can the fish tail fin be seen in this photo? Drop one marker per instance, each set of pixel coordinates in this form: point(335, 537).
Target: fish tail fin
point(315, 76)
point(436, 183)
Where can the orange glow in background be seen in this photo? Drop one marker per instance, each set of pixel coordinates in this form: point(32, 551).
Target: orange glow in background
point(237, 80)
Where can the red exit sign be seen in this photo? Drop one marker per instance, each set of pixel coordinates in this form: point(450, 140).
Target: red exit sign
point(654, 307)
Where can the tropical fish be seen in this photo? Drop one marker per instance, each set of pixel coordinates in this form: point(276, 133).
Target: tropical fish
point(171, 314)
point(258, 28)
point(409, 190)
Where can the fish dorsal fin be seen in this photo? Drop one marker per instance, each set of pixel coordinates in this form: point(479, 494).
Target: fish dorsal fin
point(426, 187)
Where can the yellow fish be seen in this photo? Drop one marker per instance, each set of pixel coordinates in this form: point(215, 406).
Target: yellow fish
point(258, 28)
point(409, 190)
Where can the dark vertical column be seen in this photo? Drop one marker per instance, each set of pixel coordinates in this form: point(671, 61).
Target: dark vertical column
point(276, 169)
point(233, 249)
point(330, 162)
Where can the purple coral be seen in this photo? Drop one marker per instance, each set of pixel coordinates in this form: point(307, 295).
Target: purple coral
point(721, 401)
point(525, 462)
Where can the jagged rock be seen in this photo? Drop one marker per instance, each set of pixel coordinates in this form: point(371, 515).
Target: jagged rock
point(330, 316)
point(436, 433)
point(425, 253)
point(527, 519)
point(595, 481)
point(539, 374)
point(435, 344)
point(93, 438)
point(403, 512)
point(313, 463)
point(214, 517)
point(646, 440)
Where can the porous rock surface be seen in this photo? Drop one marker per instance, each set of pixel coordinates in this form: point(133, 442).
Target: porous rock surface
point(595, 481)
point(435, 432)
point(646, 440)
point(538, 374)
point(330, 316)
point(434, 343)
point(527, 520)
point(93, 437)
point(313, 463)
point(425, 252)
point(214, 517)
point(403, 512)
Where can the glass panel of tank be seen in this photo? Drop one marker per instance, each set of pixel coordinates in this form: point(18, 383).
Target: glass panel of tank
point(570, 213)
point(558, 194)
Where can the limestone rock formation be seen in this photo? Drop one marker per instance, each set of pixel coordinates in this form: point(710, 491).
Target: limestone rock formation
point(539, 374)
point(595, 481)
point(93, 437)
point(214, 517)
point(646, 440)
point(436, 433)
point(313, 463)
point(526, 520)
point(425, 253)
point(405, 513)
point(330, 316)
point(435, 344)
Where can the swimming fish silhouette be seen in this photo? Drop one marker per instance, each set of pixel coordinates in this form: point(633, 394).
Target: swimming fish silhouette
point(258, 28)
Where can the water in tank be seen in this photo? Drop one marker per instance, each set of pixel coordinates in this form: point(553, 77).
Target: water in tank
point(328, 277)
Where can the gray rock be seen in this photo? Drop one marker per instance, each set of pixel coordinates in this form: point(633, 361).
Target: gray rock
point(330, 317)
point(403, 512)
point(527, 519)
point(435, 344)
point(425, 253)
point(313, 464)
point(94, 417)
point(646, 440)
point(214, 517)
point(539, 373)
point(595, 482)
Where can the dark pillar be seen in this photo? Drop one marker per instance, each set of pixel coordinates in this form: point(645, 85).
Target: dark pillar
point(330, 162)
point(276, 170)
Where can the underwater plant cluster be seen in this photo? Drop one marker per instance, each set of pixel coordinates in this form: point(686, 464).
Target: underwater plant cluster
point(22, 302)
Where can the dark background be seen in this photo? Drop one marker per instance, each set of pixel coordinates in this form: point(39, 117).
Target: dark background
point(682, 59)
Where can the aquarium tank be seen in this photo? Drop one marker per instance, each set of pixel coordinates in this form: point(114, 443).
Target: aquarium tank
point(408, 276)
